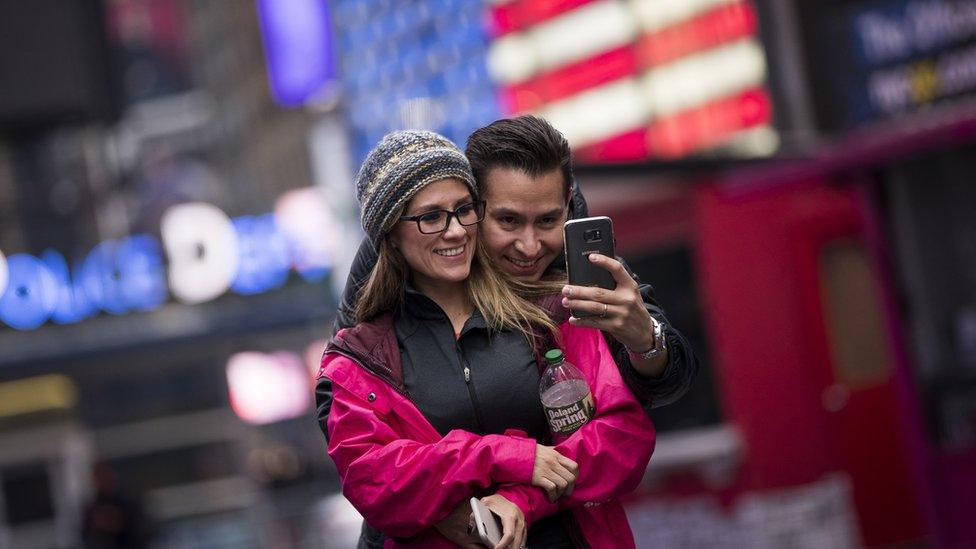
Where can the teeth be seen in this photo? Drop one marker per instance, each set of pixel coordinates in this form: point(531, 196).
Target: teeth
point(522, 263)
point(450, 253)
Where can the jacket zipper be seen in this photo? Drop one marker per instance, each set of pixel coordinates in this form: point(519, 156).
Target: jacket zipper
point(467, 381)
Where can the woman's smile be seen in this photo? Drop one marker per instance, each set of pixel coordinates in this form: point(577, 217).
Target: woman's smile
point(452, 253)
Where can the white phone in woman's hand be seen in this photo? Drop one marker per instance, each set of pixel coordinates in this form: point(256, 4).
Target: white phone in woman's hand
point(487, 523)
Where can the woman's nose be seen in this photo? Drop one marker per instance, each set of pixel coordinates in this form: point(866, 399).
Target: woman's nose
point(454, 228)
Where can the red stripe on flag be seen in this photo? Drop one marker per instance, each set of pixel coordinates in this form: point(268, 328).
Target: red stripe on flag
point(506, 18)
point(685, 132)
point(571, 79)
point(722, 24)
point(631, 145)
point(710, 124)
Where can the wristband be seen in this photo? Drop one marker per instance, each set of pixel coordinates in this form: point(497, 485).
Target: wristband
point(657, 349)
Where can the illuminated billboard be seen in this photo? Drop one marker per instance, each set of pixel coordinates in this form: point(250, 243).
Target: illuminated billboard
point(624, 81)
point(882, 60)
point(298, 49)
point(632, 80)
point(200, 254)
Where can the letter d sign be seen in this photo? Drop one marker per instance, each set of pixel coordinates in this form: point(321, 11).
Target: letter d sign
point(201, 246)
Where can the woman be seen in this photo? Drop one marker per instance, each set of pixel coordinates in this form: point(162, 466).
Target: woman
point(436, 387)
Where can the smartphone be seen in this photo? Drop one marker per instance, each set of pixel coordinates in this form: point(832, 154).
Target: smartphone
point(583, 237)
point(488, 525)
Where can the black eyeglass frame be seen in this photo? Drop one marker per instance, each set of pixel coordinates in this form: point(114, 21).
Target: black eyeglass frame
point(479, 208)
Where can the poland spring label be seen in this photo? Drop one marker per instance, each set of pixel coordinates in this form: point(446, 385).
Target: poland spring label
point(565, 420)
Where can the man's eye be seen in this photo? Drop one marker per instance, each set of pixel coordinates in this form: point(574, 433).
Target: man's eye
point(506, 220)
point(547, 221)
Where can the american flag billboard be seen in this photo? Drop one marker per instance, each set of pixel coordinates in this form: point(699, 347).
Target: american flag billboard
point(623, 80)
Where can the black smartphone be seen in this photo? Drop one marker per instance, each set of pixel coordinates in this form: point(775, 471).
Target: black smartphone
point(583, 237)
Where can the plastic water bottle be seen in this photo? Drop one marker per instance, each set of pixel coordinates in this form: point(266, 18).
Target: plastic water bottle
point(565, 396)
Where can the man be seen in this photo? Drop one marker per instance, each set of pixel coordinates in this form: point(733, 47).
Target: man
point(523, 168)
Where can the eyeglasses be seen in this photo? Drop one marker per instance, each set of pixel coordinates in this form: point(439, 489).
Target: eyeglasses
point(437, 221)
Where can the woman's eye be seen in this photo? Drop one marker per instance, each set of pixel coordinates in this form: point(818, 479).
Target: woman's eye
point(431, 217)
point(466, 209)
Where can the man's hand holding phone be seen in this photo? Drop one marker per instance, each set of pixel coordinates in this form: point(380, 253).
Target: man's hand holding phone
point(620, 311)
point(614, 306)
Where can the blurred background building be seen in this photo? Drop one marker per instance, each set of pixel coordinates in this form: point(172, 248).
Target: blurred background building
point(177, 216)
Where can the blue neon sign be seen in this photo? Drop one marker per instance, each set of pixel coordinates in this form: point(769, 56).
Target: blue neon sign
point(31, 294)
point(119, 277)
point(264, 260)
point(73, 304)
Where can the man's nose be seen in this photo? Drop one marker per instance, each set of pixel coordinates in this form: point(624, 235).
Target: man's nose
point(528, 244)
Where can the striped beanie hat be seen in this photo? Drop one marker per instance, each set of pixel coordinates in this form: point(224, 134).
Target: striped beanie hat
point(400, 165)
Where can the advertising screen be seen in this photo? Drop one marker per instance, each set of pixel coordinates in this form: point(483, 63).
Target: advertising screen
point(624, 81)
point(876, 61)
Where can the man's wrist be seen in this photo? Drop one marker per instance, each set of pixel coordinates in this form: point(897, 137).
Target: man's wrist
point(657, 348)
point(644, 346)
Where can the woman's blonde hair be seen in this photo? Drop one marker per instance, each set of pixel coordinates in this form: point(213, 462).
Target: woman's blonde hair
point(505, 303)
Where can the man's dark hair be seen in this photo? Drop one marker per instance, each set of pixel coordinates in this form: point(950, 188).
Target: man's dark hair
point(527, 143)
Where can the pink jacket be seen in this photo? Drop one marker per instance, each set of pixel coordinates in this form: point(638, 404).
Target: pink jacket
point(404, 477)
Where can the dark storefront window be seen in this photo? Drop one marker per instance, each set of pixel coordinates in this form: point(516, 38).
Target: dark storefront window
point(27, 491)
point(670, 271)
point(931, 205)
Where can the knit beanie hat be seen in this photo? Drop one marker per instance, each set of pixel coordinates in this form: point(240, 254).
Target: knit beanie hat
point(403, 163)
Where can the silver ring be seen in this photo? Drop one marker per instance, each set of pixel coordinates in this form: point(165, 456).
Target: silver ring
point(605, 307)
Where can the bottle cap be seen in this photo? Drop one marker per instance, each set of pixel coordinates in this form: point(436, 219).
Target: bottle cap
point(554, 356)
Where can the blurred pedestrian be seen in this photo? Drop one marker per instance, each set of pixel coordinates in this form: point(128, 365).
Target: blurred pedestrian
point(113, 519)
point(433, 394)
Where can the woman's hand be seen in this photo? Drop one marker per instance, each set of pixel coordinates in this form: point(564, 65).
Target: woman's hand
point(553, 472)
point(514, 531)
point(456, 527)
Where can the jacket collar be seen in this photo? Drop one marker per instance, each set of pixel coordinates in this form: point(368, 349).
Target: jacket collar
point(418, 308)
point(374, 346)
